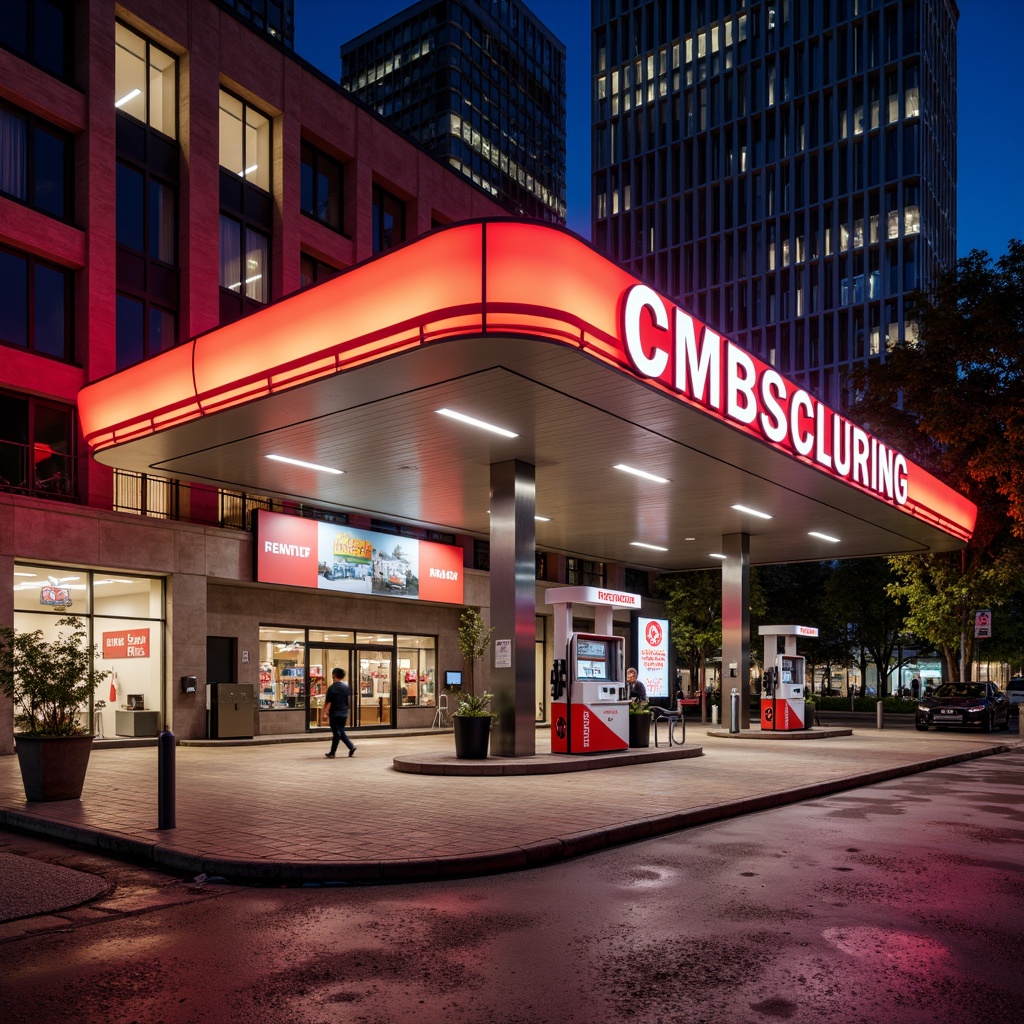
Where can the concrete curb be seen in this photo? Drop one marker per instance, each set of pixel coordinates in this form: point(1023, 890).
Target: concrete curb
point(165, 855)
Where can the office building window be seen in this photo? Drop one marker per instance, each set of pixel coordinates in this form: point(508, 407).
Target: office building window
point(36, 446)
point(144, 329)
point(244, 269)
point(41, 32)
point(321, 190)
point(35, 305)
point(581, 572)
point(314, 271)
point(388, 220)
point(145, 81)
point(35, 163)
point(244, 141)
point(146, 214)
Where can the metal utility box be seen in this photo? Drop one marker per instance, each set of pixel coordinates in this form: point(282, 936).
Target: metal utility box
point(231, 708)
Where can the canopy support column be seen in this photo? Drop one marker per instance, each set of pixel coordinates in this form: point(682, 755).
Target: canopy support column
point(736, 626)
point(513, 608)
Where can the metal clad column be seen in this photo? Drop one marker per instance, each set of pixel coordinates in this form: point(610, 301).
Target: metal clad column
point(736, 624)
point(513, 607)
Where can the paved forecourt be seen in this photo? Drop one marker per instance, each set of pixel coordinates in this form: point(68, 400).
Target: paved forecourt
point(283, 812)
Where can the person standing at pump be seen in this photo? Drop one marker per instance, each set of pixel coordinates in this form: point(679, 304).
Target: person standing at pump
point(336, 701)
point(635, 690)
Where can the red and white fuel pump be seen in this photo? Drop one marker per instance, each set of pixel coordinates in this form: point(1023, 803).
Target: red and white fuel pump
point(589, 709)
point(782, 693)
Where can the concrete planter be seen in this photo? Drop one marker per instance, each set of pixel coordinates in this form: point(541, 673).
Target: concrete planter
point(640, 730)
point(53, 767)
point(472, 735)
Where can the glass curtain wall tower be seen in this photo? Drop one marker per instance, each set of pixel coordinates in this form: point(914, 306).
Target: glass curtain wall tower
point(480, 84)
point(785, 170)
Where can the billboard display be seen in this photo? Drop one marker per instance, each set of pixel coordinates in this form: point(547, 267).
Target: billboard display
point(652, 656)
point(307, 553)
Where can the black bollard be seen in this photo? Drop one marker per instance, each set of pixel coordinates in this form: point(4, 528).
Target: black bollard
point(165, 784)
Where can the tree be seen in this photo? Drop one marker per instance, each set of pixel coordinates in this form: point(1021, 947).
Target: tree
point(693, 603)
point(952, 399)
point(474, 639)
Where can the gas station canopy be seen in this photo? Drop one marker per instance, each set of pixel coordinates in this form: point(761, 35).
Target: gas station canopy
point(524, 327)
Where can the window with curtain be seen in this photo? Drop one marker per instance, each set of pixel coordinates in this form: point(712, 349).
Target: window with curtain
point(244, 268)
point(35, 162)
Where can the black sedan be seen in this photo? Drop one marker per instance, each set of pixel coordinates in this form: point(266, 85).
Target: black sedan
point(981, 704)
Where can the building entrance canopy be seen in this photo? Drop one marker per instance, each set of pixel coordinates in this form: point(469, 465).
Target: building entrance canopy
point(525, 327)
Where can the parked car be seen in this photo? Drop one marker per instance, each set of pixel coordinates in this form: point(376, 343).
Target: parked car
point(1015, 691)
point(981, 704)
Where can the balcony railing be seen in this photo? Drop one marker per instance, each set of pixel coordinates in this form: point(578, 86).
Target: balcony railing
point(37, 470)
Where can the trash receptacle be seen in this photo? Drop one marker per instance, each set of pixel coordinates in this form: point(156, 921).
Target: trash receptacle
point(231, 711)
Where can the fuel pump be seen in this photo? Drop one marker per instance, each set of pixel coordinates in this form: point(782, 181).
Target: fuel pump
point(782, 698)
point(589, 709)
point(782, 703)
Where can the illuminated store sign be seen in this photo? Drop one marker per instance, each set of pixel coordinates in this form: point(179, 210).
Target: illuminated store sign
point(652, 656)
point(307, 553)
point(694, 361)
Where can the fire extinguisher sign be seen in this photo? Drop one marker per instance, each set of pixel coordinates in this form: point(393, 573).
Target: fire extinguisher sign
point(983, 624)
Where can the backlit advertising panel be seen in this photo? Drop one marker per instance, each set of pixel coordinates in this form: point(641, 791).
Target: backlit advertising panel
point(306, 553)
point(652, 656)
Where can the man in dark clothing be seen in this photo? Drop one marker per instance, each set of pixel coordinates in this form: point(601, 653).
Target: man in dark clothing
point(336, 702)
point(635, 690)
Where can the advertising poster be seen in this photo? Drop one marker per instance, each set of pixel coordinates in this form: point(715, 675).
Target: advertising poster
point(307, 553)
point(652, 656)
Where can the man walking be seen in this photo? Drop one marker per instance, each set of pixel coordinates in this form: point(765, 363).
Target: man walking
point(336, 701)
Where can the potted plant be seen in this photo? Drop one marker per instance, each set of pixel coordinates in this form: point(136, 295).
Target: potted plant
point(810, 707)
point(472, 723)
point(639, 723)
point(474, 639)
point(49, 683)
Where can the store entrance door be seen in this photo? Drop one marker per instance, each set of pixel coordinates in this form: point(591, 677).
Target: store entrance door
point(367, 672)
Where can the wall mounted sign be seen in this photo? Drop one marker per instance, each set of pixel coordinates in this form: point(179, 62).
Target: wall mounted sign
point(307, 553)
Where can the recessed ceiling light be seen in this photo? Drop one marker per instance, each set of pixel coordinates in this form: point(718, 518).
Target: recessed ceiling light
point(714, 554)
point(641, 544)
point(751, 511)
point(127, 97)
point(451, 414)
point(306, 465)
point(542, 519)
point(640, 473)
point(822, 536)
point(690, 538)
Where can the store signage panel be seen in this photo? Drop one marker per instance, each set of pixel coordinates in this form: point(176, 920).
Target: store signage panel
point(306, 553)
point(127, 643)
point(652, 656)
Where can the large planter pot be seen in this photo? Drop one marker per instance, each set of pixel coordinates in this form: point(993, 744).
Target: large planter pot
point(472, 734)
point(53, 767)
point(640, 730)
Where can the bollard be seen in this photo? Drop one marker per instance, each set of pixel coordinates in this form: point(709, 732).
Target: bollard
point(714, 714)
point(878, 715)
point(165, 779)
point(734, 711)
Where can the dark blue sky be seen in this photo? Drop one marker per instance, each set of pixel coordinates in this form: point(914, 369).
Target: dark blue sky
point(990, 143)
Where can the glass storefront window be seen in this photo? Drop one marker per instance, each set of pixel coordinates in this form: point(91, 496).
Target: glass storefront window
point(124, 618)
point(417, 671)
point(282, 660)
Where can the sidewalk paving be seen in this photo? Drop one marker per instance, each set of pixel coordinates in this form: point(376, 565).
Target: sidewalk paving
point(284, 813)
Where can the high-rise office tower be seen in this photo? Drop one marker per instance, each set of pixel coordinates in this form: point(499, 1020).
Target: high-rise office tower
point(478, 83)
point(274, 17)
point(784, 169)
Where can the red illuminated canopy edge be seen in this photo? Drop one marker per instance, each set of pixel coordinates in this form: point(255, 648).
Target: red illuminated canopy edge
point(538, 280)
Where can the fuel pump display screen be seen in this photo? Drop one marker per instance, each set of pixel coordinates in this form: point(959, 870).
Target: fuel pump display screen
point(591, 659)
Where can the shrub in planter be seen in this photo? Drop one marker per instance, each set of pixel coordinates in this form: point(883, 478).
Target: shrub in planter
point(472, 724)
point(50, 682)
point(639, 723)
